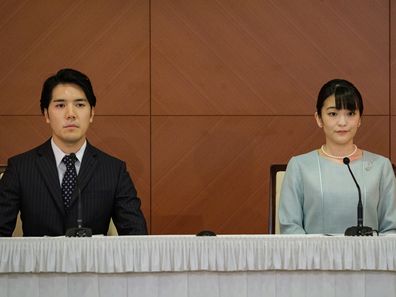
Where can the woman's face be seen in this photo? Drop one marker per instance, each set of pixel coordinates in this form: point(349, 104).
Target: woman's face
point(339, 126)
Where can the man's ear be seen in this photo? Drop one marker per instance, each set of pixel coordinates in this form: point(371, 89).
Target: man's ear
point(92, 114)
point(318, 120)
point(47, 119)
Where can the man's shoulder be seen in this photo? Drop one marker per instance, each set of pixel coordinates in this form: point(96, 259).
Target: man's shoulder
point(101, 155)
point(32, 153)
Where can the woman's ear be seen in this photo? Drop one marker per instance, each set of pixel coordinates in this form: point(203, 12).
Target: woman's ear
point(318, 120)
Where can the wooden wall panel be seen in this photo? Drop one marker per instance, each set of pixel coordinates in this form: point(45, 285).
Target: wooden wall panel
point(393, 58)
point(21, 133)
point(199, 97)
point(108, 40)
point(393, 139)
point(212, 172)
point(265, 57)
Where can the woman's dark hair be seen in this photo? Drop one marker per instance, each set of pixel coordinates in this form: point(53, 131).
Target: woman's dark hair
point(66, 76)
point(347, 96)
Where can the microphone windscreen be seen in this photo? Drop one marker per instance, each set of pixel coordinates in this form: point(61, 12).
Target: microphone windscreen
point(346, 160)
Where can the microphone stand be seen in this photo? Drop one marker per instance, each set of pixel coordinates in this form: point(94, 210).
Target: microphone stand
point(358, 230)
point(80, 231)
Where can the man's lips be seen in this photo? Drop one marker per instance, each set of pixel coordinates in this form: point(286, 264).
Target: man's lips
point(70, 126)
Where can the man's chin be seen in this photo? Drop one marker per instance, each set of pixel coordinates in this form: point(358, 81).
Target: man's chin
point(72, 140)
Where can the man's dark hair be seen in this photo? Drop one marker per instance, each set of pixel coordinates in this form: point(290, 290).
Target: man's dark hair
point(347, 96)
point(66, 76)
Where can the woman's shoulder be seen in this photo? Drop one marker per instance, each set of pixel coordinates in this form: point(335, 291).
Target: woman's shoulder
point(373, 160)
point(373, 157)
point(303, 161)
point(304, 158)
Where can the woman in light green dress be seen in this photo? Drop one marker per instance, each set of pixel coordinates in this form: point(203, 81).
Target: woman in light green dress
point(318, 194)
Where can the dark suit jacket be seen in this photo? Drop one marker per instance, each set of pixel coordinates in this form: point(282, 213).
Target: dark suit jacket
point(31, 185)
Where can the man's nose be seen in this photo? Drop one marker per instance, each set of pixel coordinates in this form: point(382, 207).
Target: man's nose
point(70, 112)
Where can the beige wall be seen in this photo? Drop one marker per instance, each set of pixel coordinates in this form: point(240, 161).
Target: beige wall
point(199, 97)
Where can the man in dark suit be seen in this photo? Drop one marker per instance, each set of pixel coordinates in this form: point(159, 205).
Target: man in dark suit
point(44, 186)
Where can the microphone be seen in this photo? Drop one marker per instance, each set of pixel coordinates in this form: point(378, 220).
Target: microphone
point(80, 231)
point(358, 230)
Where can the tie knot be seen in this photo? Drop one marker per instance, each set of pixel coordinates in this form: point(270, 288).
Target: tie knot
point(69, 160)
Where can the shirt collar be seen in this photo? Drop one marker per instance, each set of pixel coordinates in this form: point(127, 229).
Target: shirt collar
point(59, 154)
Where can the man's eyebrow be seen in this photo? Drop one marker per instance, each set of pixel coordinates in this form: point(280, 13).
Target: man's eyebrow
point(75, 100)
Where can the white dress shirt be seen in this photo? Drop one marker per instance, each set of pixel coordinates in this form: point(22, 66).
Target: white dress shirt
point(59, 154)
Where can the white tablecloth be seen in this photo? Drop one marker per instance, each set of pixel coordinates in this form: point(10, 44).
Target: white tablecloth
point(250, 265)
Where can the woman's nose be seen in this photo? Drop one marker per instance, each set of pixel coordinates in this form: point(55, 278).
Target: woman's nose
point(342, 120)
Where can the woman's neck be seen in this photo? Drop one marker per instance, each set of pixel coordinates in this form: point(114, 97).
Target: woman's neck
point(337, 154)
point(339, 150)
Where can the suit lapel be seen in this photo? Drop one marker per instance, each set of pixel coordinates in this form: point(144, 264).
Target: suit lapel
point(47, 166)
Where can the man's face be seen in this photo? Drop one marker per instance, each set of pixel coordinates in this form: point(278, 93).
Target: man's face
point(69, 115)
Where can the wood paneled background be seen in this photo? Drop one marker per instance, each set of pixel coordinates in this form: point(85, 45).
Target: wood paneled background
point(199, 97)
